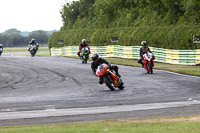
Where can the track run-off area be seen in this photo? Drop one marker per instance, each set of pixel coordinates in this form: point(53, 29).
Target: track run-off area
point(40, 90)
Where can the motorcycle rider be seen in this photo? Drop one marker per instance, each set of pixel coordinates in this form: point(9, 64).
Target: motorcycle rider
point(98, 61)
point(144, 49)
point(1, 49)
point(33, 42)
point(81, 45)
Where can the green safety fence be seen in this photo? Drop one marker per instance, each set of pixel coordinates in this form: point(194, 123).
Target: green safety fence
point(184, 57)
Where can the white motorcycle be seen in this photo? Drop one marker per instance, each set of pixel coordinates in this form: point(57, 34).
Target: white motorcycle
point(148, 62)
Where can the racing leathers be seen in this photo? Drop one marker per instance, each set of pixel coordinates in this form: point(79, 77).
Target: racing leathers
point(100, 61)
point(33, 43)
point(81, 45)
point(1, 50)
point(143, 50)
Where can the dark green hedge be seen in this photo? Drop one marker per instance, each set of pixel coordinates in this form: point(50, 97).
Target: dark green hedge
point(169, 37)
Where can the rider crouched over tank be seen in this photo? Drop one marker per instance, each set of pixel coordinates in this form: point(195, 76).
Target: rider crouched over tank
point(1, 49)
point(82, 45)
point(144, 49)
point(97, 61)
point(33, 47)
point(33, 43)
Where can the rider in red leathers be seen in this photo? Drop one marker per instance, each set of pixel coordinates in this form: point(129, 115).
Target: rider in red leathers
point(81, 45)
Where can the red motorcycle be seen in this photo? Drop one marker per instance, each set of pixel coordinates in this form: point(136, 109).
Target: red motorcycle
point(109, 77)
point(148, 62)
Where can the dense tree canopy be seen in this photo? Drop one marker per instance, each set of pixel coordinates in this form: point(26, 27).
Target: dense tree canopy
point(130, 13)
point(167, 24)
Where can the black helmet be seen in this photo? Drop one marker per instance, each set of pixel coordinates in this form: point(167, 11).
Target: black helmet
point(95, 56)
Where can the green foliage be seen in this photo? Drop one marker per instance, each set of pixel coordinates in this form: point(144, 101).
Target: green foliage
point(15, 38)
point(163, 23)
point(171, 37)
point(11, 31)
point(40, 35)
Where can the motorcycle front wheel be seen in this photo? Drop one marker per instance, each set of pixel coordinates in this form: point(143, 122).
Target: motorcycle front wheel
point(86, 58)
point(151, 67)
point(32, 54)
point(108, 83)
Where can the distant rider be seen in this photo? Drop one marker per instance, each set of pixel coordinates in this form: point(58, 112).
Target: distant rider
point(82, 45)
point(1, 49)
point(98, 61)
point(144, 49)
point(33, 42)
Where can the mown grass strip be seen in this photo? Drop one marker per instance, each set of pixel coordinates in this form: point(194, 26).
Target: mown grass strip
point(23, 49)
point(179, 124)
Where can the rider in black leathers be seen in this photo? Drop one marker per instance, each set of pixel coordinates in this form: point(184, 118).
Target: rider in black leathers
point(33, 42)
point(98, 61)
point(144, 49)
point(1, 49)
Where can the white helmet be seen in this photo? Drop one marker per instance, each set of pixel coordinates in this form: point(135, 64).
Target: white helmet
point(83, 40)
point(143, 43)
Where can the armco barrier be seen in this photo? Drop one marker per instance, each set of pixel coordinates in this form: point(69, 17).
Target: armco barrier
point(184, 57)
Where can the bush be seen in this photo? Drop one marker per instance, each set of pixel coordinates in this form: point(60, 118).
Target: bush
point(169, 37)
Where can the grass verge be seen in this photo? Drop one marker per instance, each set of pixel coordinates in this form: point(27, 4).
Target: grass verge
point(23, 49)
point(178, 124)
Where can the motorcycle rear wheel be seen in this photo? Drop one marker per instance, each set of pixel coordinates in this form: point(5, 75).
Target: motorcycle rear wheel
point(107, 82)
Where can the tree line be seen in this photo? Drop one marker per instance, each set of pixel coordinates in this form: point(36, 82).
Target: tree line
point(16, 38)
point(130, 13)
point(167, 24)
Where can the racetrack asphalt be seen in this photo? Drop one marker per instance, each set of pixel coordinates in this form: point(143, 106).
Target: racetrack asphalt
point(55, 86)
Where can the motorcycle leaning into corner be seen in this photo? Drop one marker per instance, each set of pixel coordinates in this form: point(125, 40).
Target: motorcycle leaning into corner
point(148, 62)
point(109, 77)
point(85, 52)
point(1, 49)
point(33, 49)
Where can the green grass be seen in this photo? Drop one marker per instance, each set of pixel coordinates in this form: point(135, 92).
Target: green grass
point(23, 49)
point(180, 124)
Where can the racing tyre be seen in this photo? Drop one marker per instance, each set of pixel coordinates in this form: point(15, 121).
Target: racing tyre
point(86, 58)
point(107, 82)
point(151, 67)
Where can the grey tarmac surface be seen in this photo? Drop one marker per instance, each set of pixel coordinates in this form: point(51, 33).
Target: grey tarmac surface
point(56, 84)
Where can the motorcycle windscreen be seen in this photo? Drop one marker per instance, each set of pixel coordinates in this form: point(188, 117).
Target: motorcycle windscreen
point(101, 70)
